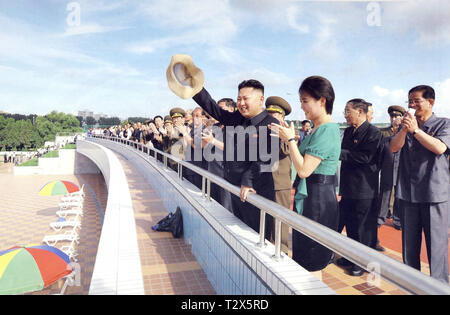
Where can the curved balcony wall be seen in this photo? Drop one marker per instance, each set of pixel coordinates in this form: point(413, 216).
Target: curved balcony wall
point(117, 268)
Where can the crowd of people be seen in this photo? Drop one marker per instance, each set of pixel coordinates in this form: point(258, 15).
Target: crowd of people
point(401, 171)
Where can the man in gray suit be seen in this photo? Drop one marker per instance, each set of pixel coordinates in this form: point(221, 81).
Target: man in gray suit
point(423, 186)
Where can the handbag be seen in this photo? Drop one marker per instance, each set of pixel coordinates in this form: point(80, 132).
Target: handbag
point(173, 222)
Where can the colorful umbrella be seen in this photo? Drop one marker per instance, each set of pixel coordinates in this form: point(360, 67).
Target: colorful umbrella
point(31, 268)
point(58, 187)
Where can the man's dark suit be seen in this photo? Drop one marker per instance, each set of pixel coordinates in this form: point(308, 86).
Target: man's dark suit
point(359, 182)
point(244, 170)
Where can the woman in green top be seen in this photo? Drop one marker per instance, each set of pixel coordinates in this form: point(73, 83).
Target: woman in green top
point(316, 162)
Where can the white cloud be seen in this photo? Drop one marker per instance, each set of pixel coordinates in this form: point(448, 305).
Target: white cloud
point(265, 76)
point(190, 23)
point(84, 29)
point(442, 104)
point(430, 20)
point(382, 98)
point(292, 18)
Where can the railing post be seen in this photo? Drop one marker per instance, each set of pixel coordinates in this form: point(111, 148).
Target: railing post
point(262, 230)
point(180, 171)
point(203, 186)
point(165, 161)
point(277, 255)
point(208, 189)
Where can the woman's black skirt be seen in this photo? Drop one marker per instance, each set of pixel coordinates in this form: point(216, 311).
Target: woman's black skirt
point(321, 206)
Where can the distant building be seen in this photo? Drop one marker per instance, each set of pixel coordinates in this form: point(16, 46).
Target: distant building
point(85, 113)
point(88, 113)
point(100, 115)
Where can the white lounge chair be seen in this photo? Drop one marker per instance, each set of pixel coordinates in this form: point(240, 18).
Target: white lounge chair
point(73, 211)
point(76, 198)
point(59, 225)
point(70, 205)
point(52, 240)
point(70, 250)
point(70, 200)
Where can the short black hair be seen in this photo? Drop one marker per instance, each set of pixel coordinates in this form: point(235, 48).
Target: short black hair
point(228, 101)
point(305, 122)
point(157, 116)
point(427, 91)
point(253, 84)
point(317, 87)
point(360, 103)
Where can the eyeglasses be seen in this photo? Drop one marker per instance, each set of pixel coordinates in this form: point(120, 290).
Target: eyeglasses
point(347, 112)
point(415, 102)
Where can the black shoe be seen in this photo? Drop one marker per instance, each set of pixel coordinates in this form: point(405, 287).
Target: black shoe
point(380, 248)
point(342, 262)
point(356, 271)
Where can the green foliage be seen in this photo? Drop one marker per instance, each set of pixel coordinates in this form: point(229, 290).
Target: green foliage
point(70, 146)
point(90, 120)
point(111, 121)
point(32, 162)
point(21, 133)
point(51, 154)
point(132, 120)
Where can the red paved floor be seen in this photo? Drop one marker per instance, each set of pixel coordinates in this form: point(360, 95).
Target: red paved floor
point(168, 265)
point(25, 217)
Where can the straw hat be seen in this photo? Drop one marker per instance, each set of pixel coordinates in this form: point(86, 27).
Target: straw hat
point(183, 77)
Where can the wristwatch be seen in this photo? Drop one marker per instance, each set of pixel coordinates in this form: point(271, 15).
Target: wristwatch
point(415, 131)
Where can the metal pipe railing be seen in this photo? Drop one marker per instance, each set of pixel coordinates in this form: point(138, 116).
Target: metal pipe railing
point(378, 264)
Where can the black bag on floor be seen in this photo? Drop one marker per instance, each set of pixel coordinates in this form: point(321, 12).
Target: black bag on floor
point(173, 222)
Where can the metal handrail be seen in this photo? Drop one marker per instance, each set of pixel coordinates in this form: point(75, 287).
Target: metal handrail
point(377, 264)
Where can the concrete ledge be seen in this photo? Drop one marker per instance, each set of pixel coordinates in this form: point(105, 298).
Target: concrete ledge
point(117, 268)
point(223, 245)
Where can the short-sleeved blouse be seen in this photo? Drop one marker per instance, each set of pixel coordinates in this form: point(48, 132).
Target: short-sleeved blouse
point(324, 143)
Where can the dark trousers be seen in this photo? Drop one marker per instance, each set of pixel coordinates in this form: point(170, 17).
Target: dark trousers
point(432, 218)
point(385, 204)
point(320, 206)
point(360, 219)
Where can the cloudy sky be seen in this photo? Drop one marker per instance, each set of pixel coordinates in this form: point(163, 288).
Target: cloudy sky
point(111, 56)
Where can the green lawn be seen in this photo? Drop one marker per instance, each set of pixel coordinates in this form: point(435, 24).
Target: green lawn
point(70, 146)
point(32, 162)
point(51, 154)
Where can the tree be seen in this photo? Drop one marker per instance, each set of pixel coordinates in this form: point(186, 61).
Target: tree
point(132, 120)
point(18, 131)
point(112, 121)
point(90, 120)
point(80, 119)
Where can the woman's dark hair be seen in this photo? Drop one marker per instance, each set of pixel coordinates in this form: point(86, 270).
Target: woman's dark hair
point(427, 91)
point(318, 87)
point(253, 84)
point(360, 103)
